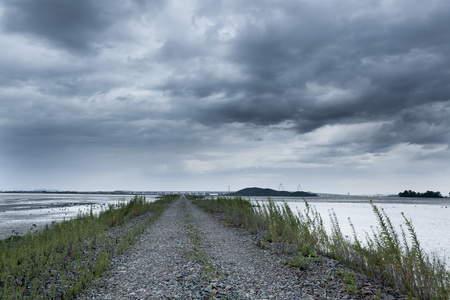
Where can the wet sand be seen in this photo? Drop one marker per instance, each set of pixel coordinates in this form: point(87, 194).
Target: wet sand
point(20, 213)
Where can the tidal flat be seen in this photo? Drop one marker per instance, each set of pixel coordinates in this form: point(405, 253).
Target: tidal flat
point(23, 212)
point(430, 216)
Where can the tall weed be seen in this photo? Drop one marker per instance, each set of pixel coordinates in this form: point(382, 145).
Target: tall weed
point(396, 259)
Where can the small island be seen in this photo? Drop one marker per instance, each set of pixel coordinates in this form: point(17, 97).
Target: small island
point(427, 194)
point(260, 192)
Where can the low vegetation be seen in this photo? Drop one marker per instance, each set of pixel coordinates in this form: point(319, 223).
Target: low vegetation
point(397, 259)
point(197, 251)
point(60, 260)
point(427, 194)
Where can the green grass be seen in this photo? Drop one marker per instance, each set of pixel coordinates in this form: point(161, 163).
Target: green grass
point(197, 252)
point(349, 280)
point(60, 260)
point(392, 258)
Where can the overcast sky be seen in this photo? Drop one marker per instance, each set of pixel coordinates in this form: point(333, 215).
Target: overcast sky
point(327, 96)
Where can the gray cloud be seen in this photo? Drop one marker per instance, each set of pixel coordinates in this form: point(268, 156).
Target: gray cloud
point(78, 26)
point(202, 81)
point(73, 25)
point(400, 62)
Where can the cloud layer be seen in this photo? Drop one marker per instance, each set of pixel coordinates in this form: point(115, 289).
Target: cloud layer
point(204, 94)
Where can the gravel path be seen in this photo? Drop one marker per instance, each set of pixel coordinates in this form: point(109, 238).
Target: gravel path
point(157, 267)
point(248, 271)
point(162, 265)
point(187, 254)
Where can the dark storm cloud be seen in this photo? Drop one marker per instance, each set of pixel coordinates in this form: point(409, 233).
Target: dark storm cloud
point(203, 82)
point(323, 64)
point(77, 26)
point(425, 124)
point(309, 64)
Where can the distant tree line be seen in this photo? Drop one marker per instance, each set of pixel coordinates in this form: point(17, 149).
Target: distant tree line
point(427, 194)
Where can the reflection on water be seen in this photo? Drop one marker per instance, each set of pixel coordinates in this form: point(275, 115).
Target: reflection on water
point(22, 212)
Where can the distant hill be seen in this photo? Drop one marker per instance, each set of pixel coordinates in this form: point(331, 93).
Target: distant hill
point(254, 191)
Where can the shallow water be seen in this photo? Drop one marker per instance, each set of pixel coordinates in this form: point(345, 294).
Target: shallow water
point(22, 212)
point(430, 217)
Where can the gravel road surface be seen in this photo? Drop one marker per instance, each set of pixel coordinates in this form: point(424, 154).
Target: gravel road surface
point(188, 254)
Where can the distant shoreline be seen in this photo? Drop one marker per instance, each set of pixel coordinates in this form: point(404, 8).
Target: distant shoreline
point(119, 192)
point(73, 192)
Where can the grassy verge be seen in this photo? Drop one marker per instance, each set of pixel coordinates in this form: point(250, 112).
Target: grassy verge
point(395, 259)
point(60, 260)
point(197, 250)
